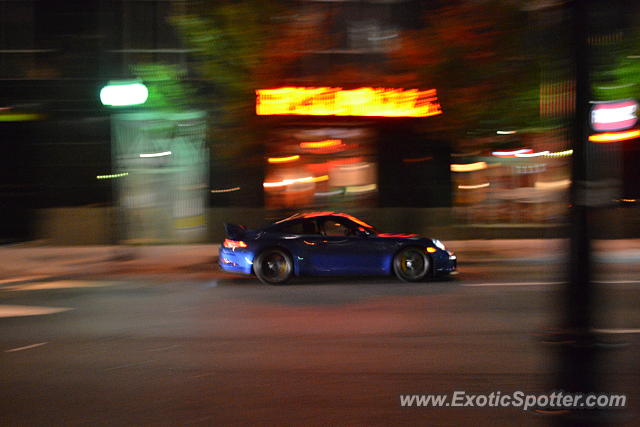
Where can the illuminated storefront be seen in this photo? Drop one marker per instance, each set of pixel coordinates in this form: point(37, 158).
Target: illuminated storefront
point(323, 151)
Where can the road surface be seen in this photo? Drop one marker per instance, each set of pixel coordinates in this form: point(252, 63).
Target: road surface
point(202, 348)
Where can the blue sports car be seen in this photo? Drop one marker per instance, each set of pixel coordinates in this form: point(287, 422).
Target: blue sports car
point(329, 243)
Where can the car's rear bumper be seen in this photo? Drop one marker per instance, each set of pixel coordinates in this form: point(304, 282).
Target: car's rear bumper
point(235, 261)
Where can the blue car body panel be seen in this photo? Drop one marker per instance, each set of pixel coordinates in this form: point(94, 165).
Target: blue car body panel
point(365, 252)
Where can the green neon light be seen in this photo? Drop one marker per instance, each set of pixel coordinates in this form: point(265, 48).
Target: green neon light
point(123, 94)
point(20, 117)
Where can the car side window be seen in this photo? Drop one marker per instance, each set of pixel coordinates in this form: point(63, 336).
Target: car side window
point(310, 227)
point(331, 227)
point(301, 227)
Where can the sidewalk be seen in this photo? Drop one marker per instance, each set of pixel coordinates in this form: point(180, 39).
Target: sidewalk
point(32, 261)
point(43, 261)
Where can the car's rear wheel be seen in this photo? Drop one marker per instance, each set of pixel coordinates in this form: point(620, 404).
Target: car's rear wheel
point(411, 264)
point(273, 266)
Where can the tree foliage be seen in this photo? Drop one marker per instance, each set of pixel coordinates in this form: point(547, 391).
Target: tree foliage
point(236, 48)
point(167, 86)
point(475, 54)
point(617, 69)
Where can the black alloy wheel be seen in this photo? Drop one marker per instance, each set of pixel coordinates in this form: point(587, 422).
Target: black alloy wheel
point(411, 264)
point(273, 266)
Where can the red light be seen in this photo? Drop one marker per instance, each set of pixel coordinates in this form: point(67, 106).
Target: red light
point(232, 244)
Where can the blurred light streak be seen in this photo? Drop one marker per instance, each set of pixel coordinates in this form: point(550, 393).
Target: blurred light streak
point(538, 154)
point(322, 144)
point(511, 153)
point(417, 159)
point(286, 182)
point(470, 154)
point(283, 183)
point(355, 166)
point(506, 132)
point(469, 167)
point(162, 154)
point(226, 190)
point(617, 86)
point(329, 193)
point(330, 101)
point(283, 159)
point(20, 117)
point(360, 188)
point(474, 187)
point(614, 136)
point(564, 153)
point(115, 175)
point(551, 185)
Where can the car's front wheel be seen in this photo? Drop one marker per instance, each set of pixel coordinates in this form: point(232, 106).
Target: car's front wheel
point(411, 264)
point(273, 266)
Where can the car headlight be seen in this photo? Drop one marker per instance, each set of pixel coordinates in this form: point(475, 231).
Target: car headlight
point(438, 244)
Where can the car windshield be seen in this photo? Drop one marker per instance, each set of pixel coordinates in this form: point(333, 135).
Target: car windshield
point(361, 224)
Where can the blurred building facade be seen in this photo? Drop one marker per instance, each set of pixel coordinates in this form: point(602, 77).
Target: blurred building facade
point(57, 138)
point(361, 161)
point(56, 55)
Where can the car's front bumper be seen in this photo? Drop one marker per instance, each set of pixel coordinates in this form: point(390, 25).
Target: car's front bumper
point(235, 260)
point(447, 264)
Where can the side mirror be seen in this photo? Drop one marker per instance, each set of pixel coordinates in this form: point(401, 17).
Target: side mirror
point(362, 233)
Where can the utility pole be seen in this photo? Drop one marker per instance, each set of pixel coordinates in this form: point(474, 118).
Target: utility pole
point(578, 352)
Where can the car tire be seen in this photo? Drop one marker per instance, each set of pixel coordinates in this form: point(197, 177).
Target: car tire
point(273, 266)
point(411, 264)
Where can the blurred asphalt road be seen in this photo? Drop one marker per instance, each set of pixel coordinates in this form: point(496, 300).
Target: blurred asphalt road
point(159, 336)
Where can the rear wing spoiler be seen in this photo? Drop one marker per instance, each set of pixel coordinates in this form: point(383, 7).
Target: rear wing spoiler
point(235, 231)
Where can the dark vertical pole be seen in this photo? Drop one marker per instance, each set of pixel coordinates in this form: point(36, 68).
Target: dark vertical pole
point(579, 302)
point(578, 354)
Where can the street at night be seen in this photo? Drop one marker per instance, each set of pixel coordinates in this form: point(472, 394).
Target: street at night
point(319, 212)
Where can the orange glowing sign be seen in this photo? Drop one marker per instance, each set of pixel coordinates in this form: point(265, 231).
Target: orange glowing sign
point(334, 101)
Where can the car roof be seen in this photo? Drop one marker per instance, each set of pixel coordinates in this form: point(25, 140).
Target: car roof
point(307, 215)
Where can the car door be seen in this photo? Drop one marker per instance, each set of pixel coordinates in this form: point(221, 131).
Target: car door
point(307, 245)
point(343, 249)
